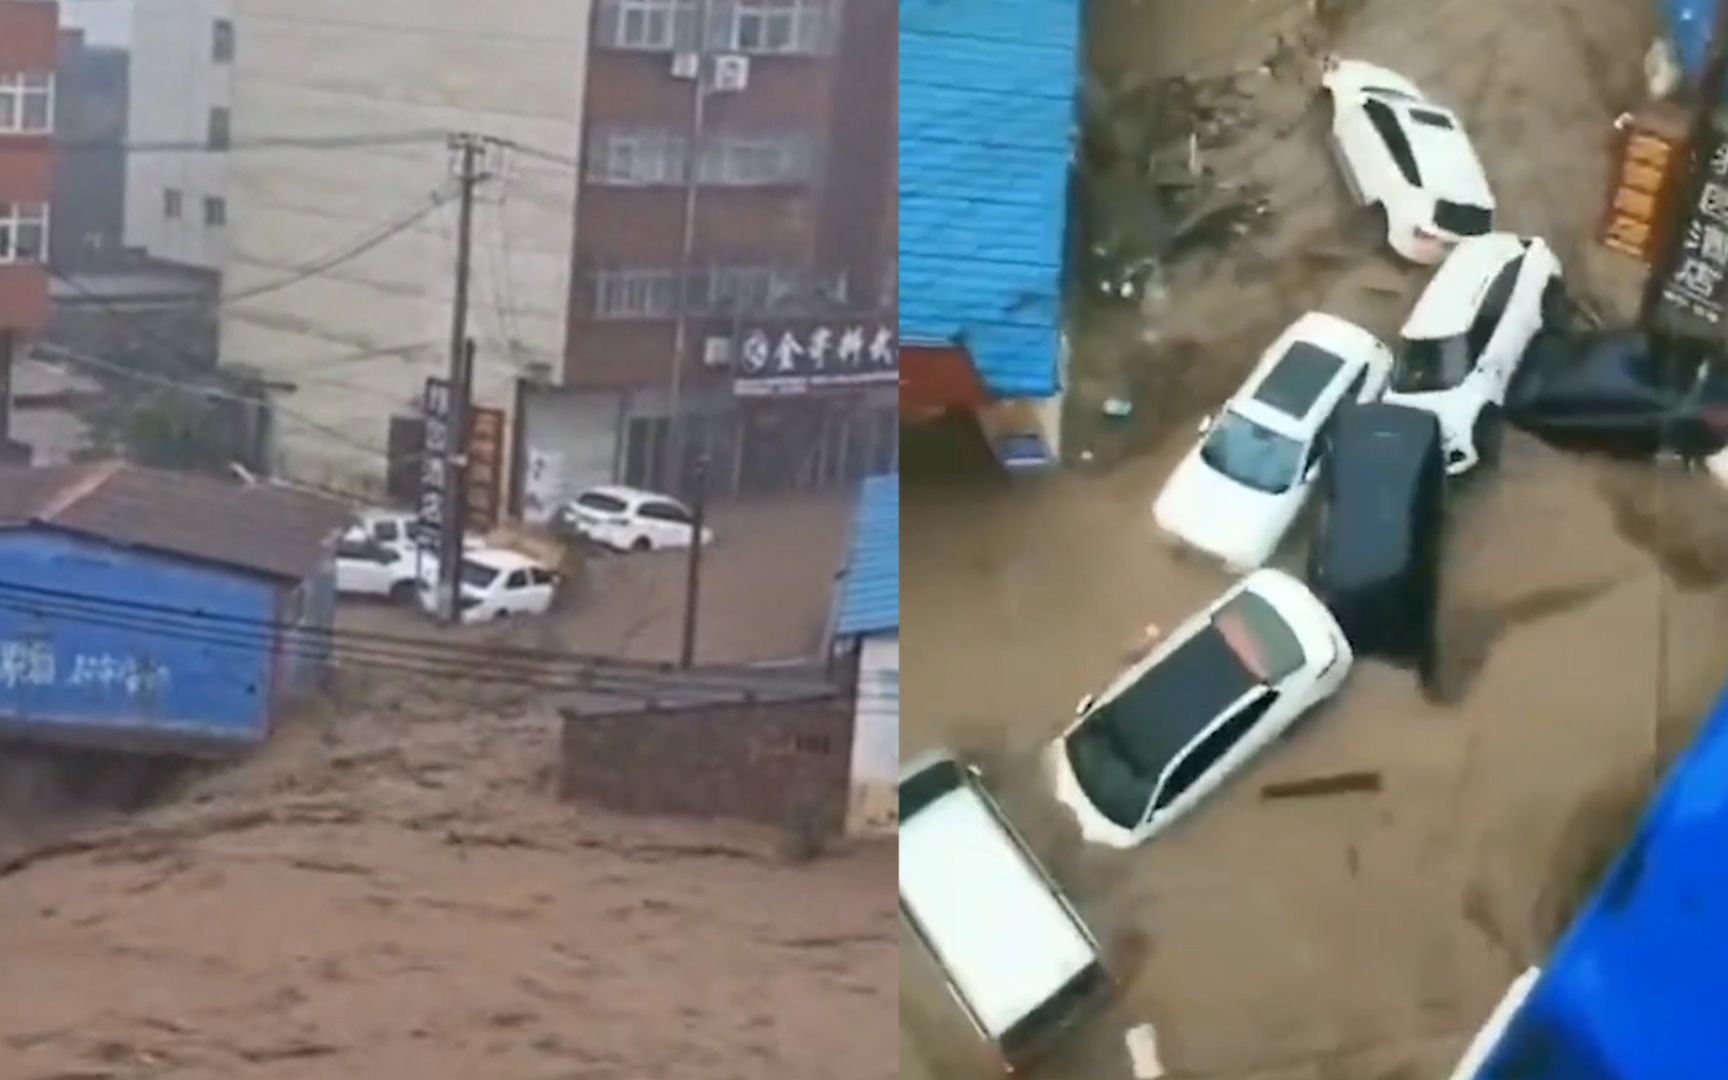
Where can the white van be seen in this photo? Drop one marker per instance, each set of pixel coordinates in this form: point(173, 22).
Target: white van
point(1017, 957)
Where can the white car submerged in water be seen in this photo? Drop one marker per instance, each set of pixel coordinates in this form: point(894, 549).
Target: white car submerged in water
point(1468, 334)
point(1410, 157)
point(1213, 694)
point(1235, 495)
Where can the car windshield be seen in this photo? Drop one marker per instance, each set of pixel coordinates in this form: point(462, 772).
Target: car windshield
point(1463, 219)
point(477, 575)
point(1129, 739)
point(1429, 365)
point(1251, 455)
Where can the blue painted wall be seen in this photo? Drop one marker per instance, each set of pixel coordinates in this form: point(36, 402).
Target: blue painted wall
point(117, 676)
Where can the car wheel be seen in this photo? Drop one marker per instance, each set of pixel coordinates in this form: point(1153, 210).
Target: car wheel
point(401, 592)
point(1488, 434)
point(641, 543)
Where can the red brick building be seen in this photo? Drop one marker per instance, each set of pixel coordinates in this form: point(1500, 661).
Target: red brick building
point(777, 214)
point(29, 51)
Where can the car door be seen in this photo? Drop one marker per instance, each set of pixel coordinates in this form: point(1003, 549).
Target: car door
point(1501, 330)
point(542, 584)
point(1213, 757)
point(362, 568)
point(1395, 157)
point(669, 523)
point(514, 593)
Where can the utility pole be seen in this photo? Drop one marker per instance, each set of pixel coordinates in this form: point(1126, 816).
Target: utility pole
point(1712, 82)
point(468, 149)
point(693, 570)
point(675, 426)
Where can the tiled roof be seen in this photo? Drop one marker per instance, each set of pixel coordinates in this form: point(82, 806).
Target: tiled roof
point(870, 596)
point(262, 528)
point(987, 127)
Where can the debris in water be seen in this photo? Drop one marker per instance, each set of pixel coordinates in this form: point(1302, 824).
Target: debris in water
point(1118, 408)
point(1143, 1053)
point(1336, 784)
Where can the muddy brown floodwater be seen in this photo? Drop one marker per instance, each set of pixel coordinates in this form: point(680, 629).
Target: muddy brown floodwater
point(1360, 936)
point(390, 892)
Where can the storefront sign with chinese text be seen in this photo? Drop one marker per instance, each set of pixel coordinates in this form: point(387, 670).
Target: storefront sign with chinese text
point(1642, 192)
point(485, 467)
point(814, 356)
point(1693, 289)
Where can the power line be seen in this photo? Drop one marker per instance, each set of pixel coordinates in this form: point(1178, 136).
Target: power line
point(240, 145)
point(499, 663)
point(56, 352)
point(371, 241)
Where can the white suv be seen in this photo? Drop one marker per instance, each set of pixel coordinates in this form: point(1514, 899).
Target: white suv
point(1467, 336)
point(630, 519)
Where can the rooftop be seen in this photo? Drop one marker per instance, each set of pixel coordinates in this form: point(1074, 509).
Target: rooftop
point(262, 528)
point(987, 129)
point(870, 587)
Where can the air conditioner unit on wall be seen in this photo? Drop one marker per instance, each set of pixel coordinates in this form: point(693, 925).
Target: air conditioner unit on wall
point(686, 65)
point(731, 74)
point(716, 352)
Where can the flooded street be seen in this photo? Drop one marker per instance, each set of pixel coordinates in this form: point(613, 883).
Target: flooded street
point(1357, 936)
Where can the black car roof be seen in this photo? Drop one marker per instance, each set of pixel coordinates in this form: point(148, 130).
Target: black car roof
point(1172, 702)
point(1377, 457)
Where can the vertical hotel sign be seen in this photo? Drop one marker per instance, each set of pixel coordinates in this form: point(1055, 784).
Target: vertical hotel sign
point(1651, 148)
point(1693, 290)
point(485, 450)
point(434, 446)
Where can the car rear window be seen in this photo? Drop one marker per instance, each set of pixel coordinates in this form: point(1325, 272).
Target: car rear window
point(1463, 219)
point(1298, 379)
point(606, 504)
point(1433, 119)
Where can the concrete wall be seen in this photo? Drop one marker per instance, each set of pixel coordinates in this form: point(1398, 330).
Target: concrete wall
point(875, 798)
point(769, 762)
point(114, 677)
point(569, 442)
point(318, 68)
point(175, 82)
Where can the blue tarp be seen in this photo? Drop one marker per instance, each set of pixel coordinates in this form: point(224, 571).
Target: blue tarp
point(870, 596)
point(1638, 987)
point(988, 93)
point(1689, 23)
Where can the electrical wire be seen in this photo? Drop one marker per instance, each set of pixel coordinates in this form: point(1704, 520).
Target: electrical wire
point(594, 678)
point(151, 615)
point(240, 145)
point(371, 241)
point(55, 352)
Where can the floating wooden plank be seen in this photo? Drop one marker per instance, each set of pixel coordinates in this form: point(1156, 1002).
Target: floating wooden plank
point(1336, 784)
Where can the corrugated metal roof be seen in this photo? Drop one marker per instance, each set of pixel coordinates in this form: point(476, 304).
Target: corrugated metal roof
point(870, 595)
point(987, 129)
point(262, 528)
point(1634, 989)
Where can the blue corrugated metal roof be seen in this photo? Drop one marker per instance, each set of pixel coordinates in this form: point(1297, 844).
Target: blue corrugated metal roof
point(987, 127)
point(870, 597)
point(1635, 989)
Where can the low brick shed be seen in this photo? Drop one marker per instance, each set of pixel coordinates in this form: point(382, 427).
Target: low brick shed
point(771, 760)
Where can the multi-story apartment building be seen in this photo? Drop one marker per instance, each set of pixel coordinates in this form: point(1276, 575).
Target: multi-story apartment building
point(29, 45)
point(734, 175)
point(183, 54)
point(342, 231)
